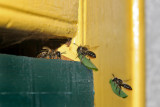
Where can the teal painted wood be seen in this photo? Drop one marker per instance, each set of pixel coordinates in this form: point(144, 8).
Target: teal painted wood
point(31, 82)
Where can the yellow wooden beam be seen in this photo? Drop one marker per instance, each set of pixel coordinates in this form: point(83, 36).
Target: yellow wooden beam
point(138, 56)
point(60, 10)
point(12, 19)
point(48, 19)
point(117, 27)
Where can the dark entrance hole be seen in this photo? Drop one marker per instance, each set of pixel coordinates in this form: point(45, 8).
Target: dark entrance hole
point(32, 47)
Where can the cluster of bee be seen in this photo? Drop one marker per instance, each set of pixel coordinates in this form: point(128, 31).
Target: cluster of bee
point(120, 84)
point(50, 53)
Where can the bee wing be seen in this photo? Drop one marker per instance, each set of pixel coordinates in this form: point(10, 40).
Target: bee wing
point(42, 55)
point(46, 48)
point(63, 52)
point(91, 48)
point(126, 80)
point(68, 43)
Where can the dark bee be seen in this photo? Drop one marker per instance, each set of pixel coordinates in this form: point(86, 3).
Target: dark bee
point(119, 83)
point(85, 52)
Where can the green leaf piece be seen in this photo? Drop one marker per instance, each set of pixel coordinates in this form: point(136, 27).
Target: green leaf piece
point(116, 91)
point(86, 62)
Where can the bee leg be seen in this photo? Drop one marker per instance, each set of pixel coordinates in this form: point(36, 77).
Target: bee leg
point(76, 56)
point(50, 57)
point(119, 90)
point(81, 59)
point(116, 87)
point(114, 83)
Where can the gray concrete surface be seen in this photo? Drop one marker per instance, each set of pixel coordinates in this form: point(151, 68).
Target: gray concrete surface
point(152, 12)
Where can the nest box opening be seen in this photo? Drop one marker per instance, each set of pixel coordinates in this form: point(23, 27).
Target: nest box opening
point(27, 43)
point(32, 47)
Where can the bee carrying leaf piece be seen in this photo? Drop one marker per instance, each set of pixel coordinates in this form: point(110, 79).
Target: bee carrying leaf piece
point(85, 52)
point(120, 84)
point(82, 52)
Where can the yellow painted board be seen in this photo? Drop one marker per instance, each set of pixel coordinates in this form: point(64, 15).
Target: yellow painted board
point(58, 9)
point(117, 27)
point(38, 19)
point(12, 19)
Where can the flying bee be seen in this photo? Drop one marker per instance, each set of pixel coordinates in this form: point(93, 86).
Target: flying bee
point(85, 52)
point(120, 83)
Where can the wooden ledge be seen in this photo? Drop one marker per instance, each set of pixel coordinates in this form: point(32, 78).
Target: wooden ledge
point(37, 21)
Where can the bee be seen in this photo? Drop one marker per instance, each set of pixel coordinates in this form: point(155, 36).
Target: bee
point(50, 53)
point(85, 52)
point(120, 83)
point(46, 53)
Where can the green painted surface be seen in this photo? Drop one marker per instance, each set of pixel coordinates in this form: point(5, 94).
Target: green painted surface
point(31, 82)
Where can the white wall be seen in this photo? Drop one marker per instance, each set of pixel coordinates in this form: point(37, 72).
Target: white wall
point(152, 13)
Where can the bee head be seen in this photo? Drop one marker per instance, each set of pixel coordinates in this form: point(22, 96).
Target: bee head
point(79, 49)
point(58, 53)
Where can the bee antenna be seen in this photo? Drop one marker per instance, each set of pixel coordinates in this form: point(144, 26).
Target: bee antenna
point(69, 39)
point(75, 44)
point(63, 52)
point(113, 75)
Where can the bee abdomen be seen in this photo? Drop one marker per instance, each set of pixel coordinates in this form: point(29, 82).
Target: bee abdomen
point(127, 86)
point(91, 54)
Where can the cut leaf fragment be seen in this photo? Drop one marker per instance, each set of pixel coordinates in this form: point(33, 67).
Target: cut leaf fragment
point(86, 62)
point(116, 91)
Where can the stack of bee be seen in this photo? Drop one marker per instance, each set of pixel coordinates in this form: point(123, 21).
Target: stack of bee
point(48, 53)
